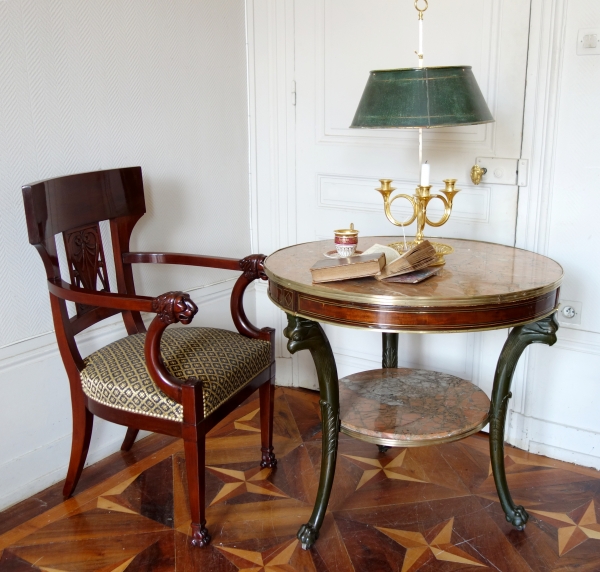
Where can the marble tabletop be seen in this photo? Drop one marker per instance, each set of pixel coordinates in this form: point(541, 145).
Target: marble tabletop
point(476, 273)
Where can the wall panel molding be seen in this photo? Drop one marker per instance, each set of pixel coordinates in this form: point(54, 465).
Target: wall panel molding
point(357, 193)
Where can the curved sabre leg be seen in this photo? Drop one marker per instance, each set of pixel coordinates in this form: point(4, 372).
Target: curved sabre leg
point(542, 332)
point(305, 334)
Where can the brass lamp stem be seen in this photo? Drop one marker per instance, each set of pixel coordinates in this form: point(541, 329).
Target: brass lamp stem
point(419, 202)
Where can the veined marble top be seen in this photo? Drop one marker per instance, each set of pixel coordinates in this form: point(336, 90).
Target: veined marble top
point(476, 273)
point(410, 407)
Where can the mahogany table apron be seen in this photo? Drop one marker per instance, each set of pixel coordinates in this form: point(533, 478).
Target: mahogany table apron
point(483, 286)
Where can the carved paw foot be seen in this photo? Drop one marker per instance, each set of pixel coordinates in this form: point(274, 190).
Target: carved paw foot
point(307, 535)
point(268, 460)
point(200, 536)
point(518, 518)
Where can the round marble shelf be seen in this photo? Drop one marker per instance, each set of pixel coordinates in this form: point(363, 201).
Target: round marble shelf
point(410, 407)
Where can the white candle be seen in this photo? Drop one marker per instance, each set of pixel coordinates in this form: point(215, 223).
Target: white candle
point(425, 169)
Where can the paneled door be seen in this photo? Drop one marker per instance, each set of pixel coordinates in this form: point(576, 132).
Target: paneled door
point(337, 43)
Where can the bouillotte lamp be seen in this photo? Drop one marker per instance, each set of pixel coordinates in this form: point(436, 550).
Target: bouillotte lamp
point(421, 98)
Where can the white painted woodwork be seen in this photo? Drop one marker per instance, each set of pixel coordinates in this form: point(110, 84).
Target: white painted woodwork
point(337, 168)
point(337, 43)
point(327, 181)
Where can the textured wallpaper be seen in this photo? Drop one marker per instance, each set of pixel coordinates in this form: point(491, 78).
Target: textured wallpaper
point(98, 84)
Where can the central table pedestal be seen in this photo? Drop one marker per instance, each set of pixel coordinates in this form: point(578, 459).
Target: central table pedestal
point(399, 407)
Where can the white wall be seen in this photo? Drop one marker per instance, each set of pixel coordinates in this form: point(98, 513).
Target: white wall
point(96, 85)
point(557, 401)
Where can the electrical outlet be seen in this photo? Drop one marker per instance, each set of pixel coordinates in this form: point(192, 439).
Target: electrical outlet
point(569, 312)
point(588, 42)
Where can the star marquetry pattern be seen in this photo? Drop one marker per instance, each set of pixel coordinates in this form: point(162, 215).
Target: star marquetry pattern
point(572, 533)
point(390, 470)
point(510, 460)
point(241, 422)
point(273, 560)
point(240, 482)
point(433, 543)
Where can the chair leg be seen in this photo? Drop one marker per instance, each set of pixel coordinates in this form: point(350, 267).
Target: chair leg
point(83, 421)
point(130, 437)
point(267, 402)
point(194, 462)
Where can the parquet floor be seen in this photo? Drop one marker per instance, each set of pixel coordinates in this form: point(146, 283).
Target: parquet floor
point(408, 510)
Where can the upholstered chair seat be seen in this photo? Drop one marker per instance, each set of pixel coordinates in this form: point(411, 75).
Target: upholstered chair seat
point(225, 362)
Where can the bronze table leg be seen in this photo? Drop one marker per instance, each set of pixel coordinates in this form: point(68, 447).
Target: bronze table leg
point(389, 358)
point(389, 354)
point(305, 334)
point(543, 332)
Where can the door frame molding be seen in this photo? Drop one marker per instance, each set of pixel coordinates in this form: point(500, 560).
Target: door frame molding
point(272, 149)
point(542, 98)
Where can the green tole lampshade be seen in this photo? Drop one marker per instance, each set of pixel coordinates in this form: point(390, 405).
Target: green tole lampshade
point(421, 97)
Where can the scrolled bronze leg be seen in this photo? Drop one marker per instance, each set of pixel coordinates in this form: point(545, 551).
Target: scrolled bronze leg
point(305, 334)
point(541, 332)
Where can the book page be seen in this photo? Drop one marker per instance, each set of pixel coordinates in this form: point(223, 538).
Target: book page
point(390, 253)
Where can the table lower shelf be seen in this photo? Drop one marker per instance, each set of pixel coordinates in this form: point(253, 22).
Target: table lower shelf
point(400, 407)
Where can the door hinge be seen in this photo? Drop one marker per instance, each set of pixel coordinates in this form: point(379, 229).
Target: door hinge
point(523, 173)
point(293, 92)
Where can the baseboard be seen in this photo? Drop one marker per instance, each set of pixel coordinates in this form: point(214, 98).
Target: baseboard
point(51, 456)
point(543, 437)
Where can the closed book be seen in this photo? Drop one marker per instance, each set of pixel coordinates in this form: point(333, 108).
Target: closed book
point(330, 270)
point(414, 277)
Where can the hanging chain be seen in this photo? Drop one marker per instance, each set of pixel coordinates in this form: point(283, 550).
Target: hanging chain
point(421, 10)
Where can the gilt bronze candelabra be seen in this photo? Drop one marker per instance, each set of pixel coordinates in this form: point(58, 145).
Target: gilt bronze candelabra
point(419, 201)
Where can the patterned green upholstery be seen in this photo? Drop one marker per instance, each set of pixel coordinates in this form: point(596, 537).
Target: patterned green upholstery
point(225, 361)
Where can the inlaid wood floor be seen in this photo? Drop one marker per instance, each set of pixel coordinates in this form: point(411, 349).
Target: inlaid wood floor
point(431, 508)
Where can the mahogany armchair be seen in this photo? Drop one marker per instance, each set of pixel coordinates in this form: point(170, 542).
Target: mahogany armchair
point(180, 381)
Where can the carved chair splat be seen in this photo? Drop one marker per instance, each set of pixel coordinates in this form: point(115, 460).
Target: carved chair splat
point(188, 408)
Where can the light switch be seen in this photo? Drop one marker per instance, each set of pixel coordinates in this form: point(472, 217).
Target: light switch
point(587, 42)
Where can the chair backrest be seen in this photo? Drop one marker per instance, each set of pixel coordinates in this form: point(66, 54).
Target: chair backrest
point(74, 206)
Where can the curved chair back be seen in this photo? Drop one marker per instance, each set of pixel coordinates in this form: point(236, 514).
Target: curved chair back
point(74, 206)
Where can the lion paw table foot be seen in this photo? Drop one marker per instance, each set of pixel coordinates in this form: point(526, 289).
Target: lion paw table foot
point(518, 517)
point(307, 535)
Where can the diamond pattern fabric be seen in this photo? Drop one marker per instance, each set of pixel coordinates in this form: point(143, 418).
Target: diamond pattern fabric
point(224, 361)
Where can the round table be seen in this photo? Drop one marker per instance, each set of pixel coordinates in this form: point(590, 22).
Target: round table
point(483, 286)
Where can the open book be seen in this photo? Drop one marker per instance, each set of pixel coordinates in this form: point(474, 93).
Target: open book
point(418, 257)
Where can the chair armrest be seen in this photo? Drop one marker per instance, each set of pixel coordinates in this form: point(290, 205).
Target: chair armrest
point(170, 308)
point(66, 291)
point(253, 268)
point(182, 259)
